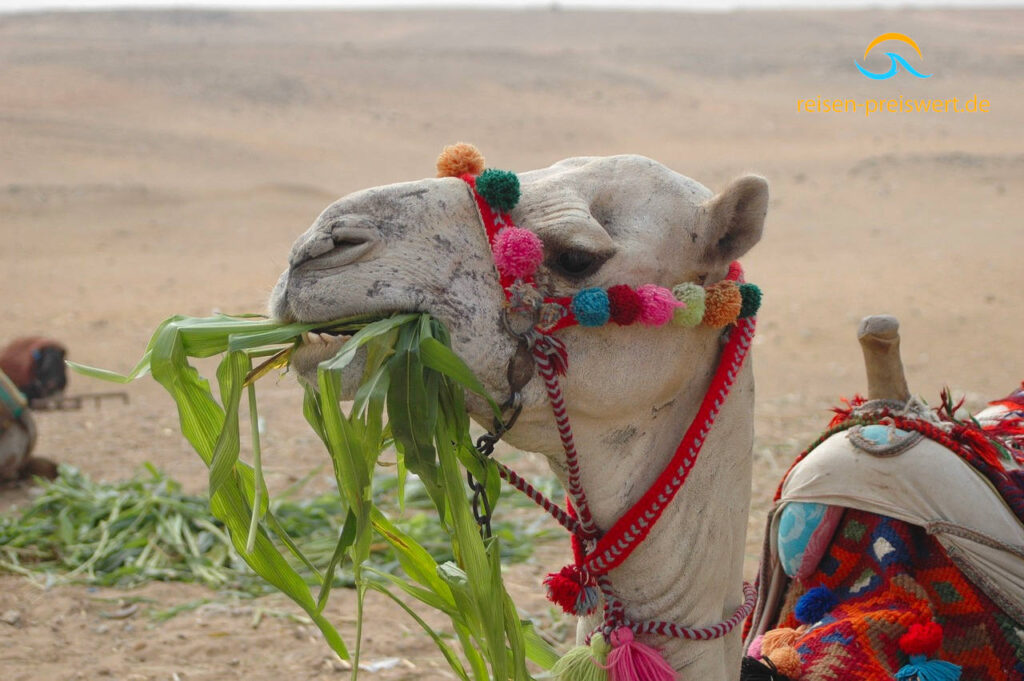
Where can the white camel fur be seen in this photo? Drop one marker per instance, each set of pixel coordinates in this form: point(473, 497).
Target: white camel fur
point(631, 391)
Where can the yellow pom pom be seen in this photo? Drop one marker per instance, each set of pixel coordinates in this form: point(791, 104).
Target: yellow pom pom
point(722, 302)
point(458, 159)
point(788, 662)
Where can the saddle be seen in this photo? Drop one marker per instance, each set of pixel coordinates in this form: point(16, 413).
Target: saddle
point(895, 548)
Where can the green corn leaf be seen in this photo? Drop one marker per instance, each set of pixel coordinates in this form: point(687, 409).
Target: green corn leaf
point(411, 371)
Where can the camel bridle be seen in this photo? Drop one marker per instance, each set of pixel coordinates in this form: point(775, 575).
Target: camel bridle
point(531, 318)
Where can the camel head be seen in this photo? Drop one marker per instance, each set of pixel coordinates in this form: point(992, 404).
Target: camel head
point(420, 246)
point(630, 391)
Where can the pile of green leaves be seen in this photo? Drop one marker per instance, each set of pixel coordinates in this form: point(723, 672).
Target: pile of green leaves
point(412, 373)
point(130, 532)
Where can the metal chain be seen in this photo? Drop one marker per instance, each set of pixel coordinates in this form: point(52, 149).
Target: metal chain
point(485, 447)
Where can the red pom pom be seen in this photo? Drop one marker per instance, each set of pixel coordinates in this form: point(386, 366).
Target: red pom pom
point(625, 303)
point(922, 639)
point(565, 587)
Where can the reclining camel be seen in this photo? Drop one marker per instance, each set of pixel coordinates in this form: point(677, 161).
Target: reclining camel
point(623, 268)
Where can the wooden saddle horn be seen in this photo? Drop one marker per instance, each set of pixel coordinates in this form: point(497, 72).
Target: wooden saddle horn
point(879, 337)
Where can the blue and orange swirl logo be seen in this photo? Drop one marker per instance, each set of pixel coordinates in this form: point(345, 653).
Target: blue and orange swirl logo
point(895, 60)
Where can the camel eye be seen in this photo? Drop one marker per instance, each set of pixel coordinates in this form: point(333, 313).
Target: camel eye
point(577, 263)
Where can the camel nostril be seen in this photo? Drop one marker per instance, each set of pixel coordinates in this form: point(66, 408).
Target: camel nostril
point(345, 246)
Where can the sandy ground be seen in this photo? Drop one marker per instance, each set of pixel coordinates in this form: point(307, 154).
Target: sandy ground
point(163, 163)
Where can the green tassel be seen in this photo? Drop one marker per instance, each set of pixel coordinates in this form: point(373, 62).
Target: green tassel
point(584, 663)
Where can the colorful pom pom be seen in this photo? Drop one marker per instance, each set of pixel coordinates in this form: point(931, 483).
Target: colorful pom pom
point(625, 304)
point(692, 297)
point(922, 639)
point(778, 638)
point(921, 668)
point(460, 159)
point(754, 650)
point(499, 188)
point(517, 252)
point(571, 590)
point(722, 303)
point(591, 307)
point(787, 661)
point(815, 604)
point(657, 305)
point(631, 660)
point(751, 300)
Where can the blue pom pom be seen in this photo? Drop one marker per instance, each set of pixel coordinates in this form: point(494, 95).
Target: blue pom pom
point(815, 604)
point(591, 307)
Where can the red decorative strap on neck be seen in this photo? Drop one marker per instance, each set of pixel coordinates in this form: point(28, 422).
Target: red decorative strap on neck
point(628, 531)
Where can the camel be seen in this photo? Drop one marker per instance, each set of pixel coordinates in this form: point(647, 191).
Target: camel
point(631, 391)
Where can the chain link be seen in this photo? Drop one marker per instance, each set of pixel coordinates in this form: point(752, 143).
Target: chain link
point(485, 447)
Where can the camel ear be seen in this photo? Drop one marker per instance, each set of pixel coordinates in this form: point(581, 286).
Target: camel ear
point(735, 219)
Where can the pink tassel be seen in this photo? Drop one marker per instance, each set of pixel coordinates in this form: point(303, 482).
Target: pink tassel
point(631, 660)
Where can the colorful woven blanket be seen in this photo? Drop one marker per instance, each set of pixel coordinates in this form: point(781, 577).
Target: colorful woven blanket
point(850, 592)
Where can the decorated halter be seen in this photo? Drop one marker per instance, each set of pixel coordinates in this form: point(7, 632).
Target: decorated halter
point(577, 588)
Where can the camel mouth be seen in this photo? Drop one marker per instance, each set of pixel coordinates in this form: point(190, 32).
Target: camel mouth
point(314, 348)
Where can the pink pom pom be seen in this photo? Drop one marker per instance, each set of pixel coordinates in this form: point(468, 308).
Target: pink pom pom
point(755, 648)
point(657, 305)
point(517, 252)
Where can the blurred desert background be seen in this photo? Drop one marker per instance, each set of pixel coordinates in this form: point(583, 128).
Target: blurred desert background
point(163, 162)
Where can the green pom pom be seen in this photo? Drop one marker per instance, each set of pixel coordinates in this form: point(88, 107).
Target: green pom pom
point(693, 296)
point(500, 189)
point(584, 663)
point(751, 300)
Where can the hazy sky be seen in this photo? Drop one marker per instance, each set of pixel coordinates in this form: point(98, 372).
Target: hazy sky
point(21, 5)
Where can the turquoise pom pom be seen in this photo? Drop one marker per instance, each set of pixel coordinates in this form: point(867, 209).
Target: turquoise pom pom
point(591, 307)
point(499, 188)
point(751, 300)
point(923, 669)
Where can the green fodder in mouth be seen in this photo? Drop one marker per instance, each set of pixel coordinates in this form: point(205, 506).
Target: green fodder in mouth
point(412, 376)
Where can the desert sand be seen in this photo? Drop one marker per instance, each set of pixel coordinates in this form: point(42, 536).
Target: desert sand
point(163, 162)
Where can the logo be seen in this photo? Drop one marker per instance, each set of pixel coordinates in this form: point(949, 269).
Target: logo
point(895, 60)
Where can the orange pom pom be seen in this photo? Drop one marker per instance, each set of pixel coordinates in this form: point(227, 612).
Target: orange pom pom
point(458, 159)
point(722, 304)
point(776, 639)
point(788, 662)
